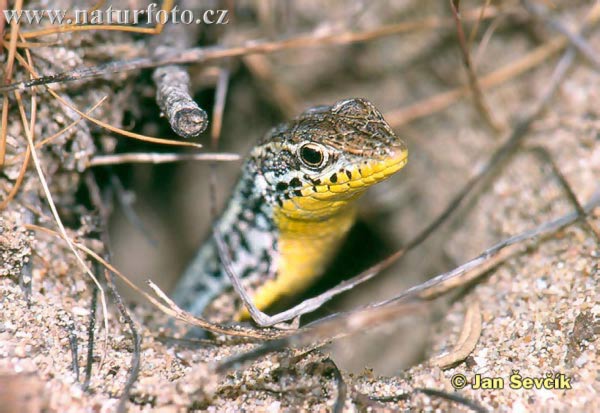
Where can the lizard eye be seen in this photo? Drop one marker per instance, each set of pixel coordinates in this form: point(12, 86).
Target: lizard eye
point(312, 155)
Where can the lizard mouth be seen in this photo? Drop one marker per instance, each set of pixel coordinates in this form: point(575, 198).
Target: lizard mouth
point(330, 195)
point(356, 178)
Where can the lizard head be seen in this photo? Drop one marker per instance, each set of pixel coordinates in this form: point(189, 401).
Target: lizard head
point(319, 163)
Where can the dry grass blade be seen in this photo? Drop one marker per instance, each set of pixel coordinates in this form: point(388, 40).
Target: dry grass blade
point(3, 131)
point(10, 61)
point(15, 189)
point(49, 139)
point(166, 7)
point(478, 23)
point(174, 310)
point(120, 131)
point(3, 6)
point(428, 106)
point(3, 128)
point(33, 45)
point(59, 223)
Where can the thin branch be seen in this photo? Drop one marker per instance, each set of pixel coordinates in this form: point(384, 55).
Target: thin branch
point(105, 125)
point(73, 344)
point(3, 6)
point(215, 134)
point(473, 269)
point(582, 46)
point(342, 387)
point(90, 344)
point(453, 397)
point(261, 318)
point(3, 131)
point(478, 97)
point(327, 329)
point(15, 189)
point(545, 156)
point(410, 301)
point(186, 118)
point(134, 369)
point(206, 54)
point(158, 158)
point(170, 308)
point(441, 101)
point(477, 24)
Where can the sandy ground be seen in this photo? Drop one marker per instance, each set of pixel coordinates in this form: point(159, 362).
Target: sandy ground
point(539, 309)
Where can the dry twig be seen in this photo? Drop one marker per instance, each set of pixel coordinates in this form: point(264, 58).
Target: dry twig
point(205, 54)
point(187, 119)
point(478, 97)
point(90, 344)
point(157, 158)
point(575, 39)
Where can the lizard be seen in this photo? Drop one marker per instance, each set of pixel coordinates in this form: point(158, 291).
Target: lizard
point(293, 205)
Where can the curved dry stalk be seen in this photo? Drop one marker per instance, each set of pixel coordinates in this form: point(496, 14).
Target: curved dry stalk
point(469, 336)
point(33, 45)
point(170, 308)
point(15, 189)
point(4, 126)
